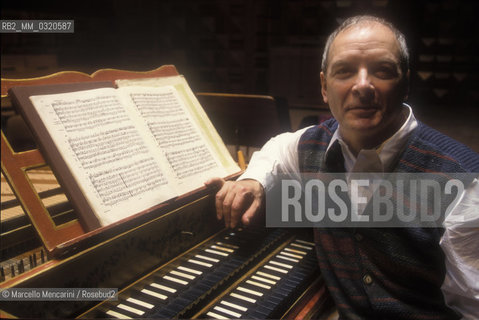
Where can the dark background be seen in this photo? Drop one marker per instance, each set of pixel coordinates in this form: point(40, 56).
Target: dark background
point(255, 46)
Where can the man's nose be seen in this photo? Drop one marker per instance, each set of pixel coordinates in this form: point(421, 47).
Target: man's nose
point(363, 88)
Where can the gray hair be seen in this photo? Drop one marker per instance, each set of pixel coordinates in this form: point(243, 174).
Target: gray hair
point(403, 49)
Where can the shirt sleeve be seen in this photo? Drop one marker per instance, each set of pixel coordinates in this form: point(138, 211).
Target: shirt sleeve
point(460, 246)
point(277, 158)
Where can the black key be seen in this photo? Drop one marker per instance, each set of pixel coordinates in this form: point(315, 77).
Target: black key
point(292, 282)
point(178, 305)
point(209, 282)
point(280, 291)
point(237, 260)
point(222, 271)
point(164, 313)
point(202, 286)
point(278, 296)
point(260, 313)
point(268, 305)
point(213, 277)
point(273, 300)
point(297, 277)
point(232, 264)
point(287, 285)
point(192, 294)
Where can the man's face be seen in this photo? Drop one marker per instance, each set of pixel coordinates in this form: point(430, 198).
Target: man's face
point(363, 84)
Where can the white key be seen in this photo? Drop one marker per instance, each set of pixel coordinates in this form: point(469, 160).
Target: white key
point(190, 270)
point(300, 246)
point(215, 315)
point(240, 296)
point(154, 294)
point(199, 256)
point(222, 248)
point(254, 283)
point(182, 274)
point(280, 264)
point(267, 275)
point(256, 293)
point(295, 251)
point(233, 305)
point(291, 255)
point(227, 311)
point(162, 287)
point(176, 280)
point(117, 315)
point(263, 280)
point(140, 303)
point(204, 264)
point(130, 309)
point(232, 246)
point(287, 259)
point(275, 269)
point(217, 252)
point(305, 242)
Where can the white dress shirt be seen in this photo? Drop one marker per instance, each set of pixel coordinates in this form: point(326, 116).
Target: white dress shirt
point(459, 242)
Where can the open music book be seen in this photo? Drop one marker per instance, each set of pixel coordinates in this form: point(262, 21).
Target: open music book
point(120, 151)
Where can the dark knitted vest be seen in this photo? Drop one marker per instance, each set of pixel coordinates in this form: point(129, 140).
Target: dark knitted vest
point(386, 273)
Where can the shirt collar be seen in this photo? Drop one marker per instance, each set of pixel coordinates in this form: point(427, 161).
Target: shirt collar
point(388, 150)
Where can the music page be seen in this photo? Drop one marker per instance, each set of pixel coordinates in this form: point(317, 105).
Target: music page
point(196, 113)
point(117, 168)
point(178, 135)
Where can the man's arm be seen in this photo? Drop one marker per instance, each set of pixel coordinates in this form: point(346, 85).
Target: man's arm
point(242, 200)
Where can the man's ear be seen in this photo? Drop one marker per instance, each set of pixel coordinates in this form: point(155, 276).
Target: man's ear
point(324, 87)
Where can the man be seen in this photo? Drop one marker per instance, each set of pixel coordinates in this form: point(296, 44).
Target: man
point(373, 273)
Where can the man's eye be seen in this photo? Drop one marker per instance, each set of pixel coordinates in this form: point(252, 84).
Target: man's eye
point(343, 72)
point(385, 73)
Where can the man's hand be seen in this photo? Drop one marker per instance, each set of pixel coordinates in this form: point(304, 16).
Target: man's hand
point(237, 200)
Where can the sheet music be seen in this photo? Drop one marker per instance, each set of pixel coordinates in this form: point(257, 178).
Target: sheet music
point(195, 110)
point(105, 151)
point(132, 148)
point(176, 133)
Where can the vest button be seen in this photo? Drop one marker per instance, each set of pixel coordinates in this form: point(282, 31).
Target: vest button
point(358, 236)
point(367, 279)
